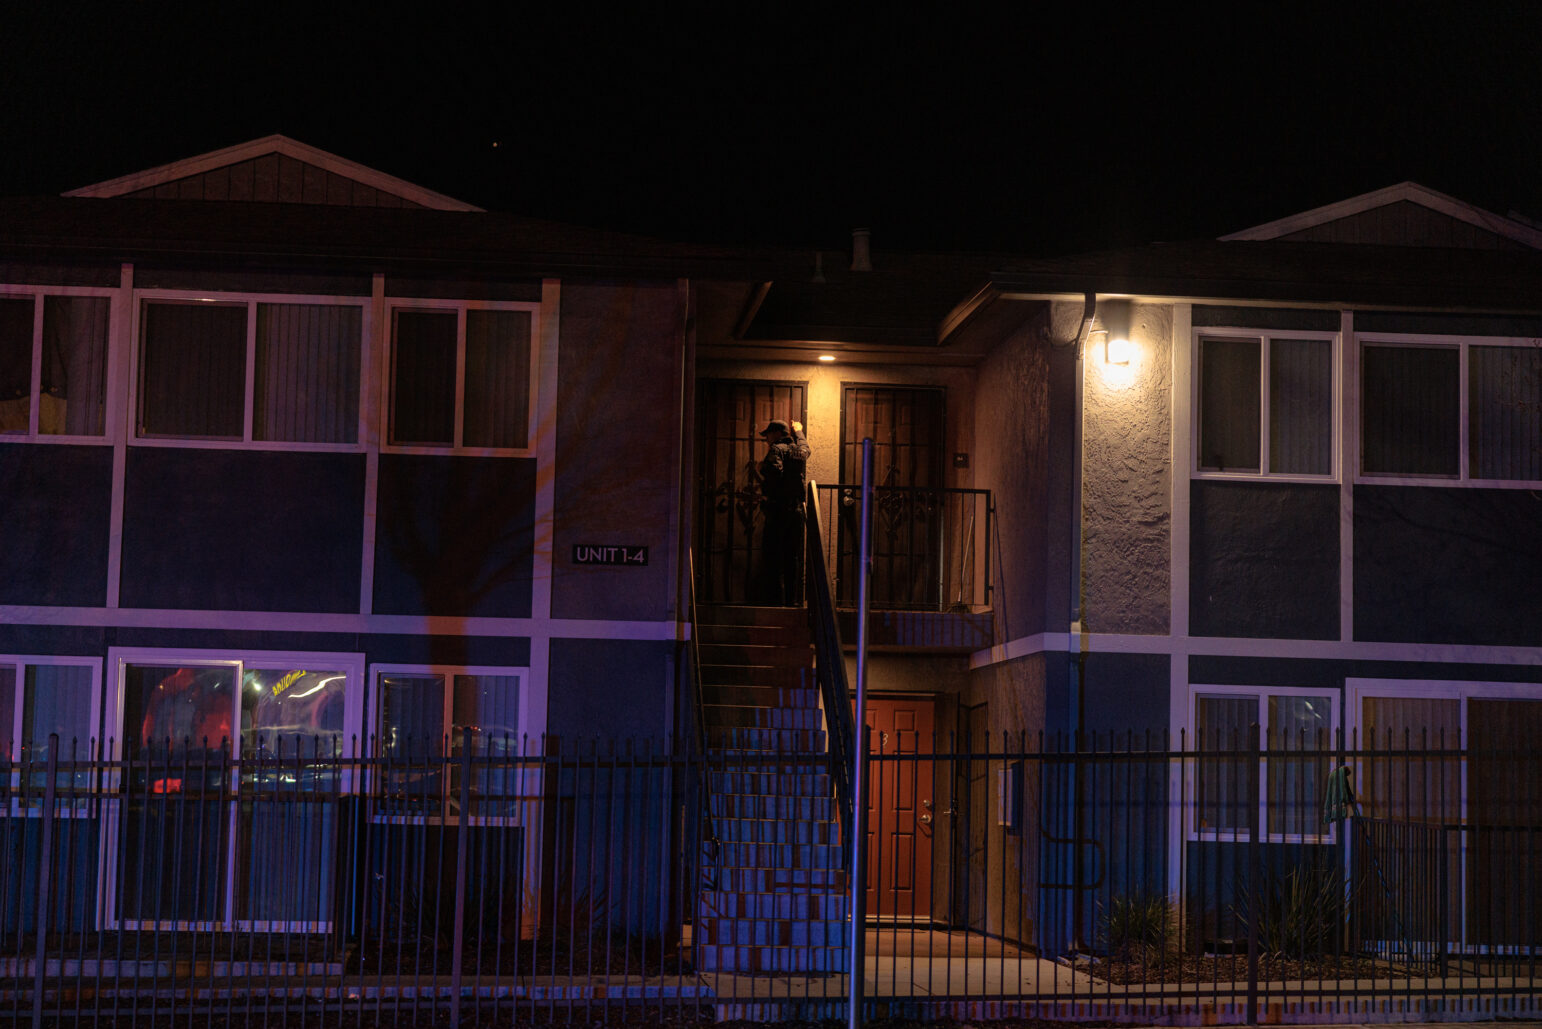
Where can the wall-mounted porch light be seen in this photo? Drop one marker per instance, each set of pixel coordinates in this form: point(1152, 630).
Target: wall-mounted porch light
point(827, 357)
point(1118, 350)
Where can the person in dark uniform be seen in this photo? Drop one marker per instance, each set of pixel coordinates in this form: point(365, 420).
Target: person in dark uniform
point(782, 487)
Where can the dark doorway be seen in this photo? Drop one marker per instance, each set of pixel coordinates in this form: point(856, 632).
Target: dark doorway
point(729, 416)
point(907, 429)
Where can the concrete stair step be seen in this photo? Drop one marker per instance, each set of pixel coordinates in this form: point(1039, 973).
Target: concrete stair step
point(742, 614)
point(774, 830)
point(780, 880)
point(785, 676)
point(792, 639)
point(789, 743)
point(733, 854)
point(784, 651)
point(736, 716)
point(739, 805)
point(761, 960)
point(805, 780)
point(771, 932)
point(827, 905)
point(755, 695)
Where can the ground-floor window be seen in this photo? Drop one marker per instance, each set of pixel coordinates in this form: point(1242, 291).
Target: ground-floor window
point(225, 804)
point(1281, 790)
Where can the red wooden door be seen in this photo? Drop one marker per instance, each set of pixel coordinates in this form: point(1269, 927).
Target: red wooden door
point(900, 809)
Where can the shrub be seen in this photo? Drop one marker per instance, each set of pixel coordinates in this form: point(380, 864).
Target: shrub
point(1139, 927)
point(1300, 914)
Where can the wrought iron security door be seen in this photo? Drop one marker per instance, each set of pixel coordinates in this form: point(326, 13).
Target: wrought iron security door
point(729, 416)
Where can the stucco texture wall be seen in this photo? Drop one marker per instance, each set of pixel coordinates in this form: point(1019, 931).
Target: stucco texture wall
point(618, 446)
point(1012, 424)
point(1126, 495)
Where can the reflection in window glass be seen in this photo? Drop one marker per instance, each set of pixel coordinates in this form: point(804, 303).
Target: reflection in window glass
point(288, 712)
point(177, 710)
point(1296, 784)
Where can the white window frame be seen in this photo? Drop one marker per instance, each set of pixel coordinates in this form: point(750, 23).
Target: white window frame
point(460, 308)
point(119, 659)
point(249, 386)
point(1261, 695)
point(529, 780)
point(21, 662)
point(1264, 336)
point(37, 294)
point(1462, 344)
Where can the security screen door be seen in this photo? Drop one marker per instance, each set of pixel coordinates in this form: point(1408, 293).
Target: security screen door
point(729, 416)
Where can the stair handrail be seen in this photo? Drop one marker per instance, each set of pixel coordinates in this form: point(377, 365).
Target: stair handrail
point(830, 669)
point(699, 714)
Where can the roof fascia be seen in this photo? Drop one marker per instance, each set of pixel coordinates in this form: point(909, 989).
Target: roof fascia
point(279, 144)
point(1412, 192)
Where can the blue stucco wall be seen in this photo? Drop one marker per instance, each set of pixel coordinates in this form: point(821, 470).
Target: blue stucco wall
point(454, 536)
point(1444, 565)
point(242, 530)
point(608, 688)
point(1264, 560)
point(54, 508)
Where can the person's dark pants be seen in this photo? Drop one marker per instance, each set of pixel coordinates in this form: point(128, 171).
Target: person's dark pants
point(782, 557)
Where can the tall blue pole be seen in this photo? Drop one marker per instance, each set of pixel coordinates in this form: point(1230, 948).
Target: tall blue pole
point(857, 878)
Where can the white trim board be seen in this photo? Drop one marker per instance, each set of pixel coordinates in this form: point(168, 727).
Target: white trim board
point(1213, 646)
point(292, 621)
point(1411, 192)
point(275, 144)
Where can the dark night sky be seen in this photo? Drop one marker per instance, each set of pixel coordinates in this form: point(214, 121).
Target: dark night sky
point(1026, 133)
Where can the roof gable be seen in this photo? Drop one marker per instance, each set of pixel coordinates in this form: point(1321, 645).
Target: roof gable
point(1406, 214)
point(274, 169)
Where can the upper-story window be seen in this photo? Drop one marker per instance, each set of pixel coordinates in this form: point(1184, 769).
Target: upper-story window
point(1265, 404)
point(460, 376)
point(1451, 409)
point(53, 362)
point(270, 370)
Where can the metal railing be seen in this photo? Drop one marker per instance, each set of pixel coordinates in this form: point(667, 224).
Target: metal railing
point(931, 546)
point(830, 668)
point(483, 879)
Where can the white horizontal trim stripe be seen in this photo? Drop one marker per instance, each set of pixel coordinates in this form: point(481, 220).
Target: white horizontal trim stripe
point(1209, 646)
point(289, 621)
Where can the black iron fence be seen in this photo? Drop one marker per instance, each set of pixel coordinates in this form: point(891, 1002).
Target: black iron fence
point(495, 880)
point(931, 546)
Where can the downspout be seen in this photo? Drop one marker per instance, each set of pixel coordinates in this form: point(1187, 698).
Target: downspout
point(1075, 645)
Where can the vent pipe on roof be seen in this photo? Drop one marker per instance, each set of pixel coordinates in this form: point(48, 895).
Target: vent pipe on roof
point(861, 250)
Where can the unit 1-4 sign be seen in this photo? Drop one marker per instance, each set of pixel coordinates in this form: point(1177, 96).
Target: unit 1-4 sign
point(609, 554)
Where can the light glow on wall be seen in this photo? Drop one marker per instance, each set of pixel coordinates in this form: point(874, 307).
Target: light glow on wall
point(1118, 351)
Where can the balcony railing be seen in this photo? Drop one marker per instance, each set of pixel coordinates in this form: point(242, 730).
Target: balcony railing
point(931, 546)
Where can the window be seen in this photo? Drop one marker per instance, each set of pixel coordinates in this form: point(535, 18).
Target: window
point(461, 376)
point(232, 769)
point(1283, 793)
point(1266, 404)
point(45, 696)
point(1452, 409)
point(423, 715)
point(277, 370)
point(53, 364)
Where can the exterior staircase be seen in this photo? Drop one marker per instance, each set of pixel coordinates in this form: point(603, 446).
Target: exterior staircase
point(774, 899)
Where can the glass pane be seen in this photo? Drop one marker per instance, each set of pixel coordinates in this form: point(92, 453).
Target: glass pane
point(8, 712)
point(74, 397)
point(1410, 413)
point(172, 859)
point(1226, 798)
point(1296, 785)
point(1504, 410)
point(287, 850)
point(497, 379)
point(423, 378)
point(192, 371)
point(412, 740)
point(307, 388)
point(1229, 377)
point(292, 713)
point(15, 364)
point(58, 700)
point(1301, 406)
point(489, 706)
